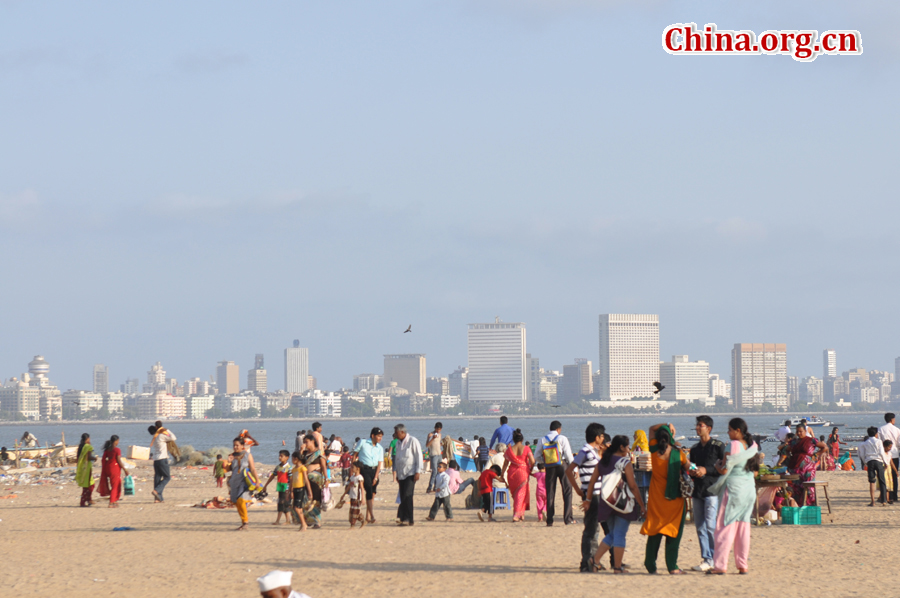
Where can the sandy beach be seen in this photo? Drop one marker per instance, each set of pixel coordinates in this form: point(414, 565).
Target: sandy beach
point(49, 546)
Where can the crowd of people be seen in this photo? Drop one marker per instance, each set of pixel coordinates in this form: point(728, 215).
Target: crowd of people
point(717, 477)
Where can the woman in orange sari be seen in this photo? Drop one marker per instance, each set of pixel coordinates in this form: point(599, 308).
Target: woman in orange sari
point(518, 463)
point(111, 473)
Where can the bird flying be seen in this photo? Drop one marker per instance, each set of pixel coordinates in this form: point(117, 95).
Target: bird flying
point(658, 386)
point(408, 329)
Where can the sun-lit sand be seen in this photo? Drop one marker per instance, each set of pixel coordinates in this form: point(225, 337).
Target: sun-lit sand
point(50, 547)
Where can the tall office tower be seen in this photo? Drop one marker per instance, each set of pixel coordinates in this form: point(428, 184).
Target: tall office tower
point(437, 386)
point(629, 356)
point(497, 362)
point(533, 375)
point(759, 375)
point(577, 381)
point(459, 383)
point(132, 386)
point(296, 369)
point(407, 370)
point(684, 380)
point(101, 378)
point(366, 382)
point(156, 378)
point(257, 378)
point(228, 378)
point(829, 363)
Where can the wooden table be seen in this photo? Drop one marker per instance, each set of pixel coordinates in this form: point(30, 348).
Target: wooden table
point(762, 484)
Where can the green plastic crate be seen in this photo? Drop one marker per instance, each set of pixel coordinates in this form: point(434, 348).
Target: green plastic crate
point(801, 515)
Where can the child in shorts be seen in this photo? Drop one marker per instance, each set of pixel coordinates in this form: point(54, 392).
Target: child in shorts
point(300, 489)
point(486, 489)
point(354, 489)
point(282, 474)
point(345, 462)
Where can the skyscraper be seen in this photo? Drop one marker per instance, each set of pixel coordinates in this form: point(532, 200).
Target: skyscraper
point(829, 363)
point(533, 374)
point(629, 356)
point(257, 378)
point(577, 381)
point(228, 378)
point(684, 380)
point(296, 369)
point(101, 378)
point(459, 383)
point(497, 362)
point(759, 375)
point(407, 370)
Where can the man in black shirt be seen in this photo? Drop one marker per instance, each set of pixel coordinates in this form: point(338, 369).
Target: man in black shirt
point(705, 454)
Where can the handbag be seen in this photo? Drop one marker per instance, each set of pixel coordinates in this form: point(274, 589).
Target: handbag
point(614, 490)
point(128, 486)
point(686, 484)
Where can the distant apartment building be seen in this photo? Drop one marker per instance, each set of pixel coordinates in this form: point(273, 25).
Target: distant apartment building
point(437, 386)
point(835, 388)
point(316, 403)
point(257, 378)
point(79, 402)
point(161, 405)
point(407, 370)
point(458, 382)
point(367, 382)
point(685, 381)
point(296, 369)
point(533, 376)
point(196, 405)
point(228, 378)
point(32, 396)
point(156, 378)
point(719, 387)
point(311, 383)
point(759, 374)
point(445, 402)
point(793, 389)
point(381, 404)
point(812, 390)
point(101, 378)
point(864, 394)
point(276, 401)
point(496, 352)
point(629, 356)
point(114, 402)
point(829, 363)
point(237, 403)
point(549, 389)
point(132, 386)
point(577, 381)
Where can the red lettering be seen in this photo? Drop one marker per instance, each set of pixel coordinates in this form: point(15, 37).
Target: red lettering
point(744, 42)
point(768, 41)
point(848, 36)
point(728, 42)
point(825, 39)
point(784, 41)
point(690, 37)
point(669, 36)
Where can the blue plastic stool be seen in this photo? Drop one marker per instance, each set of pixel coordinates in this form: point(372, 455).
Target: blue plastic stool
point(501, 498)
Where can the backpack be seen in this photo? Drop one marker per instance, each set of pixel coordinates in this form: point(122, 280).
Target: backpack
point(614, 490)
point(550, 451)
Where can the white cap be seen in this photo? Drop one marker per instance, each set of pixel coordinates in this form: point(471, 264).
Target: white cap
point(274, 579)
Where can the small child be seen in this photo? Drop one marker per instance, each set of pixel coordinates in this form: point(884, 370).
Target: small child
point(486, 488)
point(441, 494)
point(300, 489)
point(219, 471)
point(345, 462)
point(540, 495)
point(282, 473)
point(484, 454)
point(354, 489)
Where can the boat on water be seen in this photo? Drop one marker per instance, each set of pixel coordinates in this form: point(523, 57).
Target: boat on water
point(813, 422)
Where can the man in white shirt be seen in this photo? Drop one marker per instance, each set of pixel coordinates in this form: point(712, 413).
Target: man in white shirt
point(561, 456)
point(873, 458)
point(407, 465)
point(159, 452)
point(891, 432)
point(783, 431)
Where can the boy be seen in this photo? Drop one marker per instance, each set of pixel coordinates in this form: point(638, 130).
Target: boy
point(441, 493)
point(300, 488)
point(486, 488)
point(282, 472)
point(872, 455)
point(219, 471)
point(345, 462)
point(354, 490)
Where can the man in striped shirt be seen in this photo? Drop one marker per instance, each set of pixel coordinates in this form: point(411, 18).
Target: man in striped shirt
point(585, 462)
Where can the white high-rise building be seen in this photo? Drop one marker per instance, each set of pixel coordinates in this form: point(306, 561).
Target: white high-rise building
point(718, 387)
point(759, 375)
point(829, 363)
point(629, 356)
point(101, 378)
point(296, 369)
point(684, 380)
point(497, 362)
point(533, 373)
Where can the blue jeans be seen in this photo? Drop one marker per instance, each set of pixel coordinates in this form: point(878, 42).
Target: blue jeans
point(435, 461)
point(466, 484)
point(618, 531)
point(705, 510)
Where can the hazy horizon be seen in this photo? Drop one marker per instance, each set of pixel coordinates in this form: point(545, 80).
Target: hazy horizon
point(197, 183)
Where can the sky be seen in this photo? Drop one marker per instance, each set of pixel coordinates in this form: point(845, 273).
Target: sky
point(190, 183)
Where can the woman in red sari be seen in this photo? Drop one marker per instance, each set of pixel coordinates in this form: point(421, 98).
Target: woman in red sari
point(517, 472)
point(111, 474)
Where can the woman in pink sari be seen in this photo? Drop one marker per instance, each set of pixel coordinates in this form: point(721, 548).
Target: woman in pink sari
point(517, 472)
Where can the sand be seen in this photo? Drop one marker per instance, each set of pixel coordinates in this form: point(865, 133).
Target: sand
point(50, 547)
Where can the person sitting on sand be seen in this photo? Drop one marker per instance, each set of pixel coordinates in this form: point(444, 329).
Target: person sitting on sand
point(277, 584)
point(4, 456)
